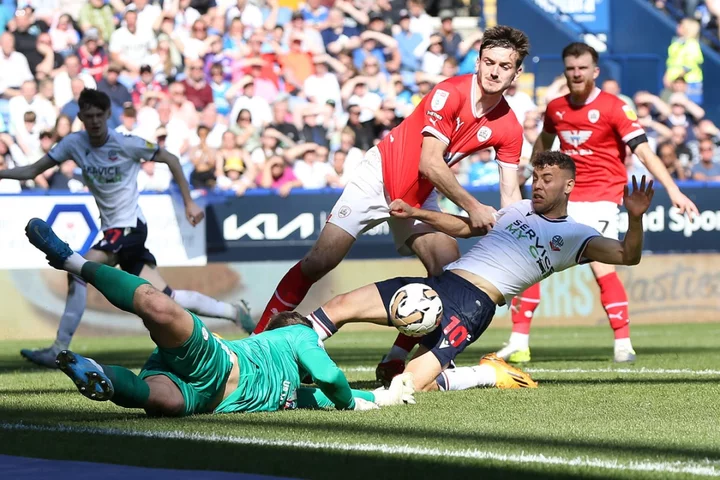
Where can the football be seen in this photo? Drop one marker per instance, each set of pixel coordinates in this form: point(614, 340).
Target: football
point(416, 309)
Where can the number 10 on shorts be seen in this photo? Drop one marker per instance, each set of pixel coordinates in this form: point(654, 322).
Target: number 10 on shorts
point(454, 332)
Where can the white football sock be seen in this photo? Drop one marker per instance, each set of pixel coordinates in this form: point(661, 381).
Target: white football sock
point(319, 329)
point(74, 263)
point(623, 344)
point(463, 378)
point(201, 304)
point(74, 309)
point(520, 340)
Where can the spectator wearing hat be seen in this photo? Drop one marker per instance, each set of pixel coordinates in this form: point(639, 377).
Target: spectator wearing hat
point(434, 57)
point(338, 36)
point(278, 175)
point(98, 15)
point(93, 58)
point(234, 171)
point(130, 46)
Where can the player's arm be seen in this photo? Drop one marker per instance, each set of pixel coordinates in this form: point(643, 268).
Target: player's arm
point(193, 212)
point(453, 225)
point(628, 251)
point(29, 172)
point(508, 158)
point(543, 143)
point(434, 168)
point(326, 375)
point(657, 169)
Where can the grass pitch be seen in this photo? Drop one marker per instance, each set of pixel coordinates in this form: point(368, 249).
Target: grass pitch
point(657, 418)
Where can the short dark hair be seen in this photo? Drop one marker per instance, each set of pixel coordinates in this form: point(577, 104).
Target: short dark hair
point(577, 49)
point(502, 36)
point(286, 319)
point(549, 159)
point(94, 98)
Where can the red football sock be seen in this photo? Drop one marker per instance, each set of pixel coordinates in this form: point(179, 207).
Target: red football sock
point(289, 293)
point(523, 307)
point(405, 342)
point(615, 302)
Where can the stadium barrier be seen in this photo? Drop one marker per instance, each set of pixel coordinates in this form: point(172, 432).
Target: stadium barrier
point(672, 287)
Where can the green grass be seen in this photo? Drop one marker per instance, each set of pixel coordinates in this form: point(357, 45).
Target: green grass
point(629, 418)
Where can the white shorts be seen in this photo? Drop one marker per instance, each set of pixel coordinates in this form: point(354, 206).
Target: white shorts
point(364, 204)
point(602, 216)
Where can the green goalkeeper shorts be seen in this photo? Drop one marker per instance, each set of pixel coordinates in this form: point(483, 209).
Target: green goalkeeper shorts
point(199, 367)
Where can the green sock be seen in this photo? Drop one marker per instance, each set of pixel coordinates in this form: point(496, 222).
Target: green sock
point(130, 390)
point(117, 286)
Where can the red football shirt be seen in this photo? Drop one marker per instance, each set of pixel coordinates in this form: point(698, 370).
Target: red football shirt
point(594, 135)
point(448, 113)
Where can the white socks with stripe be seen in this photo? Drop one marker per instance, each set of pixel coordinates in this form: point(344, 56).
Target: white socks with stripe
point(463, 378)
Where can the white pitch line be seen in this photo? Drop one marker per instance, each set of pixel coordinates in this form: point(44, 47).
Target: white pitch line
point(705, 467)
point(635, 371)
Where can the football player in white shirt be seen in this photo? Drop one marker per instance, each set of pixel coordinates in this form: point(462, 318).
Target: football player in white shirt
point(110, 162)
point(531, 240)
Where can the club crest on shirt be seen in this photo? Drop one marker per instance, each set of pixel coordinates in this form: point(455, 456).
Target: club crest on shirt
point(439, 98)
point(483, 134)
point(556, 243)
point(594, 116)
point(112, 155)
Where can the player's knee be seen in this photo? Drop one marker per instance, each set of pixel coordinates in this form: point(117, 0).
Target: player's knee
point(154, 306)
point(339, 308)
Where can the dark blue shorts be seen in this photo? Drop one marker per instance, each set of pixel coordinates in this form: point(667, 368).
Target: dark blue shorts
point(467, 312)
point(128, 245)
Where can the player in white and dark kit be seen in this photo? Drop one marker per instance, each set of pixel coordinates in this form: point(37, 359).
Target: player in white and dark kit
point(531, 240)
point(110, 162)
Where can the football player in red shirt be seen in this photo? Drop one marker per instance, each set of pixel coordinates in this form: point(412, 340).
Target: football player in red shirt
point(458, 117)
point(593, 128)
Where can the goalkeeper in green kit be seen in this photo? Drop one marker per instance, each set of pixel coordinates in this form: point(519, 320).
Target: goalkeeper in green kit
point(192, 371)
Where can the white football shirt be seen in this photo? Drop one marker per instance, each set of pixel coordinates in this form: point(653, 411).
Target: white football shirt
point(525, 247)
point(110, 172)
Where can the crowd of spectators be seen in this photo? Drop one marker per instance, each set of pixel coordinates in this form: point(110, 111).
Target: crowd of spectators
point(268, 93)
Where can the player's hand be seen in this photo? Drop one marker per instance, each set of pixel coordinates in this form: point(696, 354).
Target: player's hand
point(483, 216)
point(401, 391)
point(361, 404)
point(684, 204)
point(194, 213)
point(638, 201)
point(400, 209)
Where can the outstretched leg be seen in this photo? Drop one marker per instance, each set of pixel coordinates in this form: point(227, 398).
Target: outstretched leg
point(169, 325)
point(327, 252)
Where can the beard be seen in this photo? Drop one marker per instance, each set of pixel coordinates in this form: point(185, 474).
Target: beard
point(581, 90)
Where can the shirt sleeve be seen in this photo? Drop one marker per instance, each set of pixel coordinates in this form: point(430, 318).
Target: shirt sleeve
point(507, 154)
point(582, 238)
point(62, 150)
point(326, 375)
point(548, 124)
point(624, 121)
point(140, 149)
point(441, 112)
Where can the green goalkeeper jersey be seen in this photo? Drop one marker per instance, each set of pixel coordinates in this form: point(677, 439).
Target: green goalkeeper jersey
point(272, 365)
